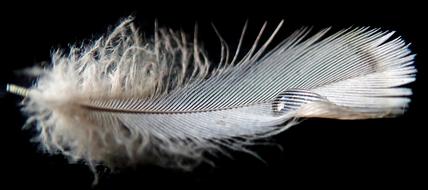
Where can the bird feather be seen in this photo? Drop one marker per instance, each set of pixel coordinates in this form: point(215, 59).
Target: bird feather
point(125, 100)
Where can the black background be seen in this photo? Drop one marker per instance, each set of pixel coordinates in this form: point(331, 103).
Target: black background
point(316, 152)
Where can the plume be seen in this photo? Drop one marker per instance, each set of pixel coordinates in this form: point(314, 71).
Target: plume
point(124, 100)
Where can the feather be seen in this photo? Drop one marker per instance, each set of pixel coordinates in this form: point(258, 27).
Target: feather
point(124, 100)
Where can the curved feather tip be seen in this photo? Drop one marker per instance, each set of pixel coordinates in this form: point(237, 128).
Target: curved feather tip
point(124, 100)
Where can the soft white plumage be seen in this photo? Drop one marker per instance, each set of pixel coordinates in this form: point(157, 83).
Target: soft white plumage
point(125, 100)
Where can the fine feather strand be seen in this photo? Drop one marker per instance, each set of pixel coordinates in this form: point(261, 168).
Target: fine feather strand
point(126, 100)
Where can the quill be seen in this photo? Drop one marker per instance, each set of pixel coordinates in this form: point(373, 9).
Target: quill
point(124, 100)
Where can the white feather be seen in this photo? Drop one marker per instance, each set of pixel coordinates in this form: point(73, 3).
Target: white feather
point(126, 100)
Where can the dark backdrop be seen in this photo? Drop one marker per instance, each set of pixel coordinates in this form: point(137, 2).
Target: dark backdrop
point(315, 152)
